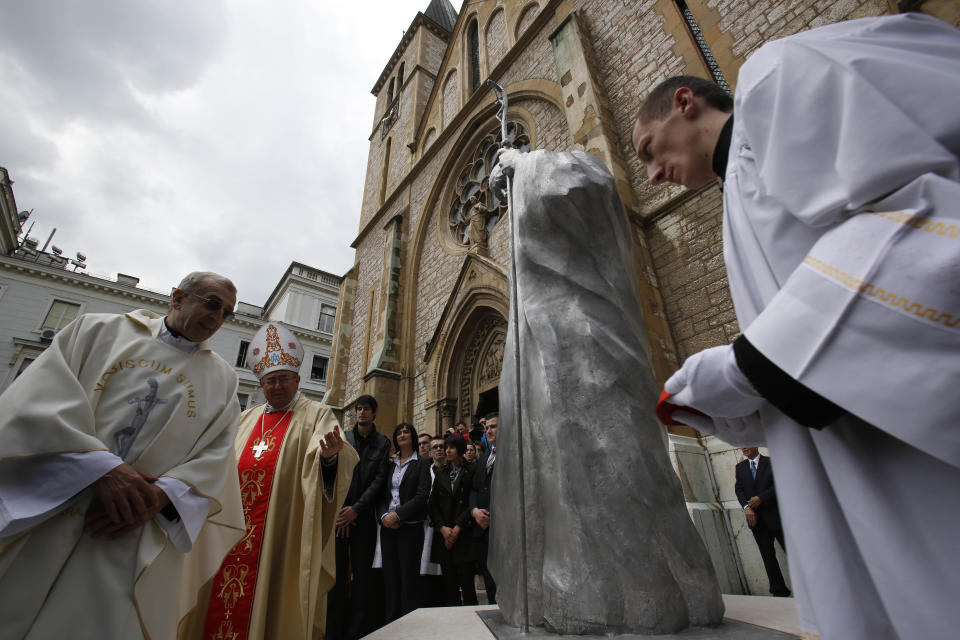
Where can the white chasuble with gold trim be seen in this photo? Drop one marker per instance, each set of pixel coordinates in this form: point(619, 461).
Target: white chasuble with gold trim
point(107, 385)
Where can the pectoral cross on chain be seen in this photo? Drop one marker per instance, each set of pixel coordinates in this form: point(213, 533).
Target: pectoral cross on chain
point(259, 449)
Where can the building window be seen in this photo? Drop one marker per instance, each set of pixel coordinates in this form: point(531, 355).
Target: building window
point(242, 354)
point(60, 314)
point(243, 399)
point(400, 75)
point(385, 174)
point(327, 316)
point(23, 365)
point(474, 56)
point(318, 371)
point(475, 204)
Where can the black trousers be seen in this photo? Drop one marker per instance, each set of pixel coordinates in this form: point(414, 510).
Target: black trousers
point(480, 544)
point(432, 591)
point(457, 577)
point(765, 538)
point(362, 613)
point(401, 549)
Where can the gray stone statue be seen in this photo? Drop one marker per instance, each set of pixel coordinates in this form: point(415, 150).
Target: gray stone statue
point(610, 547)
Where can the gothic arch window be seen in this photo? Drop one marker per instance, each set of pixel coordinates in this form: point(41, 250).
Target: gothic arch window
point(450, 104)
point(385, 175)
point(474, 55)
point(428, 139)
point(495, 40)
point(526, 18)
point(390, 95)
point(400, 75)
point(476, 208)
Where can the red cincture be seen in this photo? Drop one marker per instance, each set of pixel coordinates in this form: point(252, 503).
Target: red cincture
point(231, 598)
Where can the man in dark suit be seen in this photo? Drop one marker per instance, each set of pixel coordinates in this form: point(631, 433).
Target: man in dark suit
point(758, 497)
point(356, 526)
point(480, 504)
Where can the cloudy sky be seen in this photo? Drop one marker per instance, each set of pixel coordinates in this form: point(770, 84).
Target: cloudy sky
point(164, 136)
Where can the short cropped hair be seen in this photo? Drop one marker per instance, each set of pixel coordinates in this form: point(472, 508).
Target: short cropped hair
point(194, 280)
point(657, 104)
point(492, 415)
point(366, 400)
point(456, 441)
point(396, 431)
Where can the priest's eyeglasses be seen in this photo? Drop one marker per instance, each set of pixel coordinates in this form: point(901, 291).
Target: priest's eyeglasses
point(212, 304)
point(279, 381)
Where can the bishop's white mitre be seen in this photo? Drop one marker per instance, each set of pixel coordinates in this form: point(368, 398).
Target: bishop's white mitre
point(274, 348)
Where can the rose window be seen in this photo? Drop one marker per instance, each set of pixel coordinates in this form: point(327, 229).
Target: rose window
point(472, 191)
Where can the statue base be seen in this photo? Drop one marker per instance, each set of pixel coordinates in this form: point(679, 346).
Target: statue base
point(726, 630)
point(746, 618)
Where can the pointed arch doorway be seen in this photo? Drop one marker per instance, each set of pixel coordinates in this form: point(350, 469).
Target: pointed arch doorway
point(465, 356)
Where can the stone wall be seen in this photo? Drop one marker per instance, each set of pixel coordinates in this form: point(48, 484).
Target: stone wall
point(365, 304)
point(686, 245)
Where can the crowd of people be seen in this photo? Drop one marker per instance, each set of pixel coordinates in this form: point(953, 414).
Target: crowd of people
point(136, 500)
point(421, 538)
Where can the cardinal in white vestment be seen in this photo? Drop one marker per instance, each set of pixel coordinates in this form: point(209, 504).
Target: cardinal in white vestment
point(295, 470)
point(840, 166)
point(117, 458)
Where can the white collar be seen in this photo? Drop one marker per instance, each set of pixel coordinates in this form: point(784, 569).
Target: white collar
point(177, 342)
point(396, 460)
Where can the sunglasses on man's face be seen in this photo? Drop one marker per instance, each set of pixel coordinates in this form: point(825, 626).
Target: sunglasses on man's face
point(212, 304)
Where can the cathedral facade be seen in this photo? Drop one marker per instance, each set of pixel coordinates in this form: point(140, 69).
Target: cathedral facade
point(423, 312)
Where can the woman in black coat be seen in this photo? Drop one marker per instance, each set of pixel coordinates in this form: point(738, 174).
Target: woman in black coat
point(450, 518)
point(402, 510)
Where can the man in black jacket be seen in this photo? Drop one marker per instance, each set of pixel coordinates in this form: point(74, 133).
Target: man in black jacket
point(480, 504)
point(757, 496)
point(356, 526)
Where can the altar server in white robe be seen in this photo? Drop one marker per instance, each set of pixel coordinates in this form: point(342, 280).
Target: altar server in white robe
point(841, 238)
point(117, 458)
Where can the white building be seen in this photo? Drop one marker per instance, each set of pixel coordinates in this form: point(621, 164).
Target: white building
point(42, 291)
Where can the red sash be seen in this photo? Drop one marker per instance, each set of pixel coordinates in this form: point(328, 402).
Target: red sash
point(231, 597)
